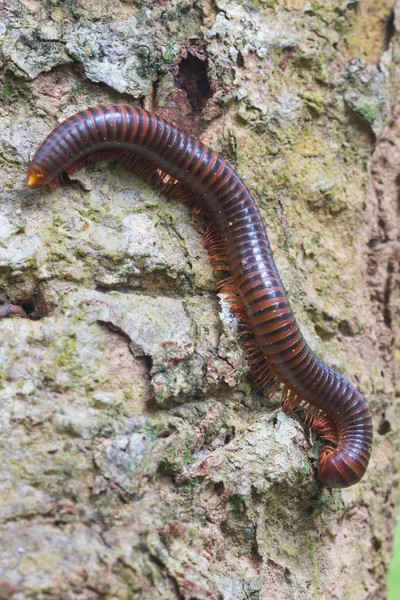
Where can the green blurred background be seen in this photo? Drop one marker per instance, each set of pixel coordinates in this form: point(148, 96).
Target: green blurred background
point(394, 573)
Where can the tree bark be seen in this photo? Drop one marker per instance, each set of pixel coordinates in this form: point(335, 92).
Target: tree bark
point(138, 459)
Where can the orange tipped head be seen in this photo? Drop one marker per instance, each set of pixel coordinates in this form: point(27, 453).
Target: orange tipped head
point(36, 178)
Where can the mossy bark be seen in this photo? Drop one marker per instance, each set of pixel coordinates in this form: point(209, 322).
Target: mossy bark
point(138, 460)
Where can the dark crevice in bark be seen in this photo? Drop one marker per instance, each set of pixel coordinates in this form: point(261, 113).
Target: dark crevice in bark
point(389, 288)
point(194, 87)
point(384, 427)
point(193, 78)
point(219, 488)
point(390, 30)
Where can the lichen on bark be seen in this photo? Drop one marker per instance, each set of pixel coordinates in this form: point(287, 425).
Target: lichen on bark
point(138, 459)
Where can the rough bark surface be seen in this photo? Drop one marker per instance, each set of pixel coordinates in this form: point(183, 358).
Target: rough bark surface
point(137, 459)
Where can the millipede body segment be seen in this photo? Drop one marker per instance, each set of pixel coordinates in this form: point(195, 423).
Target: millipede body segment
point(181, 165)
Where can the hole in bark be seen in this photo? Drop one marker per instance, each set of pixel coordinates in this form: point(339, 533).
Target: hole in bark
point(309, 511)
point(255, 551)
point(165, 468)
point(373, 243)
point(231, 434)
point(28, 306)
point(345, 328)
point(377, 544)
point(147, 361)
point(255, 494)
point(219, 488)
point(383, 225)
point(384, 427)
point(240, 60)
point(390, 30)
point(324, 334)
point(387, 292)
point(38, 306)
point(193, 76)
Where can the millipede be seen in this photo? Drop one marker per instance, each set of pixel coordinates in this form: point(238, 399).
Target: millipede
point(183, 167)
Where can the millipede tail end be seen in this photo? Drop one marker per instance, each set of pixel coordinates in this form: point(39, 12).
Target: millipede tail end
point(338, 471)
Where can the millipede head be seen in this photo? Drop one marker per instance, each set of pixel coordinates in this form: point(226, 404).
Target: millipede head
point(37, 177)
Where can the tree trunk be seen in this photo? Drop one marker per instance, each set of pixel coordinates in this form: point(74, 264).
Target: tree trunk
point(138, 459)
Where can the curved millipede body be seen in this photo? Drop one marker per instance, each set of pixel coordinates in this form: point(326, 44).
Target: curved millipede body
point(238, 243)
